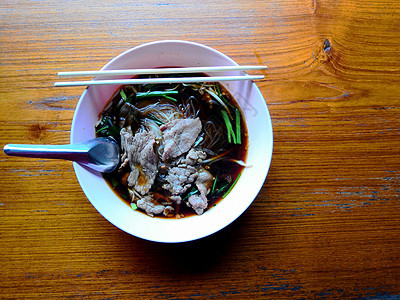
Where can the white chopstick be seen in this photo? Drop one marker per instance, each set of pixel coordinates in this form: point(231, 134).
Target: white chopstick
point(157, 80)
point(162, 70)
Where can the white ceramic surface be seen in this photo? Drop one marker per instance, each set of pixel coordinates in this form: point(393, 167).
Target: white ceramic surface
point(176, 54)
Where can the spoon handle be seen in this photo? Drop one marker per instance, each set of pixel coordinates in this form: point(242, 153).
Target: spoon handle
point(68, 152)
point(100, 154)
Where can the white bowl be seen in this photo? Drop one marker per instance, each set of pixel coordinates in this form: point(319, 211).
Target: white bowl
point(177, 54)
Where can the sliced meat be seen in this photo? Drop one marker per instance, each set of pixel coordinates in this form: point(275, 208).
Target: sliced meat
point(150, 206)
point(126, 137)
point(126, 141)
point(143, 161)
point(176, 199)
point(197, 203)
point(179, 136)
point(133, 178)
point(168, 211)
point(203, 183)
point(125, 161)
point(193, 157)
point(179, 180)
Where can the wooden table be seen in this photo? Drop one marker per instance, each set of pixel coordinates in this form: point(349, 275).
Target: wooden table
point(326, 224)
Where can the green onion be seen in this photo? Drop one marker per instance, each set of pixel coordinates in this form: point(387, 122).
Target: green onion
point(214, 184)
point(150, 94)
point(222, 188)
point(238, 133)
point(219, 101)
point(231, 187)
point(222, 96)
point(170, 98)
point(107, 128)
point(218, 89)
point(155, 119)
point(102, 128)
point(112, 129)
point(231, 133)
point(216, 191)
point(134, 206)
point(192, 192)
point(123, 95)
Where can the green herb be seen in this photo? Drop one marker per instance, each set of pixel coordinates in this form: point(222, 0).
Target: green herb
point(123, 95)
point(102, 128)
point(134, 206)
point(151, 94)
point(231, 133)
point(231, 187)
point(238, 133)
point(214, 184)
point(218, 89)
point(223, 185)
point(219, 100)
point(170, 98)
point(221, 189)
point(107, 128)
point(155, 119)
point(222, 96)
point(192, 192)
point(112, 130)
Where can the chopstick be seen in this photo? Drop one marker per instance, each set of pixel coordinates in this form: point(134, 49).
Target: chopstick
point(157, 80)
point(162, 70)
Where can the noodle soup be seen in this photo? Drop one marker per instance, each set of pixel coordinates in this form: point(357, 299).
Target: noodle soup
point(183, 146)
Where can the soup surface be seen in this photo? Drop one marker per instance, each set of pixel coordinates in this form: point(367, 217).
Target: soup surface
point(183, 146)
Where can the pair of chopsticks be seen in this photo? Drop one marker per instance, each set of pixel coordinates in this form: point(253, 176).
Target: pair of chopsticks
point(159, 71)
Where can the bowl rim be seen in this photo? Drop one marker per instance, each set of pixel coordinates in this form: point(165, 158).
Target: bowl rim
point(80, 170)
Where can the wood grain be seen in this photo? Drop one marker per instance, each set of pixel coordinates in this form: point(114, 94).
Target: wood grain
point(327, 221)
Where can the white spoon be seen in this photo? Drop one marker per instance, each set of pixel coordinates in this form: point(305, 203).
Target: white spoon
point(100, 154)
